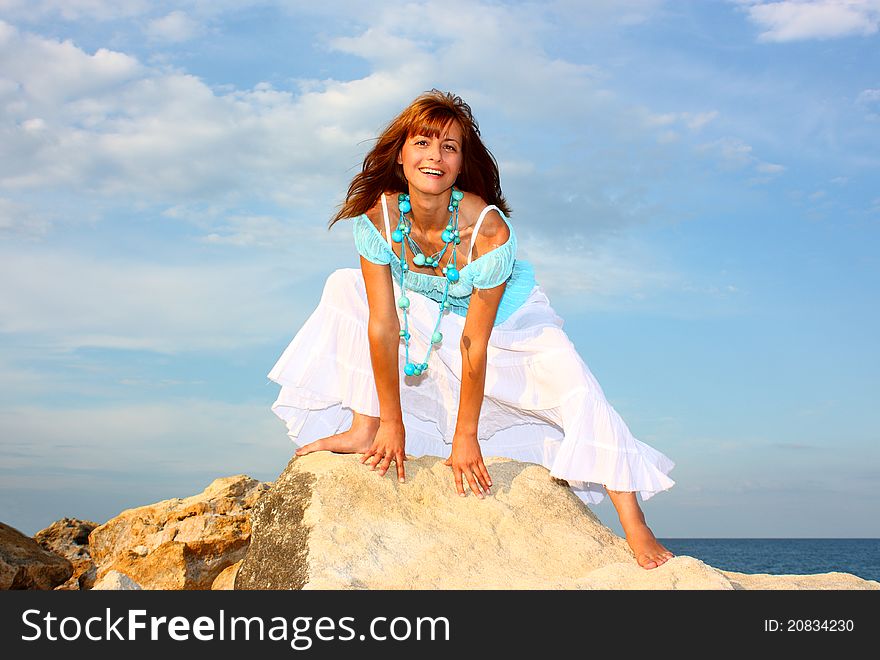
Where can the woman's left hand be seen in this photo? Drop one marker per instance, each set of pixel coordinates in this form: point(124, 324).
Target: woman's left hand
point(466, 461)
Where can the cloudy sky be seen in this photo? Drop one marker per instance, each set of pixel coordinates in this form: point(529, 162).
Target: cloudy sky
point(695, 183)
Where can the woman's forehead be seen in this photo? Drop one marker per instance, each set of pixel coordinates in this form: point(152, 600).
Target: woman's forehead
point(443, 128)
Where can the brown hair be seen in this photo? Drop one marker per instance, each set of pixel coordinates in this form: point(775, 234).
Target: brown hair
point(428, 115)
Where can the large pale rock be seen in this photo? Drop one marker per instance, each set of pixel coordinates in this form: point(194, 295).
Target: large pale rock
point(24, 564)
point(828, 581)
point(328, 522)
point(69, 537)
point(180, 543)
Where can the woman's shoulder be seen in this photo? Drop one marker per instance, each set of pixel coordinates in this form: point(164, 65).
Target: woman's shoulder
point(493, 231)
point(375, 214)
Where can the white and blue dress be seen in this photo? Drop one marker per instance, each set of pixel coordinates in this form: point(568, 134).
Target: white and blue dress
point(541, 403)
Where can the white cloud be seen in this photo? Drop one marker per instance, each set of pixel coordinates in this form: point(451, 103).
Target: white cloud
point(101, 10)
point(67, 301)
point(17, 219)
point(174, 435)
point(174, 27)
point(111, 126)
point(793, 20)
point(733, 153)
point(612, 276)
point(869, 99)
point(106, 124)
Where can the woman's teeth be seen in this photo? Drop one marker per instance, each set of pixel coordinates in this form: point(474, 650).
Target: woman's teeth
point(431, 172)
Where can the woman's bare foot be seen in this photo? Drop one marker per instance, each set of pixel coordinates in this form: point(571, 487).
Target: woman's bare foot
point(358, 439)
point(648, 551)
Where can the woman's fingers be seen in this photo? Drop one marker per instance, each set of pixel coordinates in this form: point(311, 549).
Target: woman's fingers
point(400, 471)
point(475, 487)
point(380, 460)
point(458, 481)
point(384, 464)
point(486, 481)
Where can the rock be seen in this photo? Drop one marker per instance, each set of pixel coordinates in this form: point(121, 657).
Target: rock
point(328, 522)
point(116, 581)
point(226, 580)
point(817, 581)
point(24, 564)
point(69, 537)
point(180, 543)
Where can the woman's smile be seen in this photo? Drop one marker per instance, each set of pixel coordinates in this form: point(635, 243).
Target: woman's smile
point(431, 163)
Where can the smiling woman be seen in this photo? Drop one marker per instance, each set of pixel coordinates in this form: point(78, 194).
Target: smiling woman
point(442, 343)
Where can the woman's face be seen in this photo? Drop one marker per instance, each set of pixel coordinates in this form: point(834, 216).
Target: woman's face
point(431, 164)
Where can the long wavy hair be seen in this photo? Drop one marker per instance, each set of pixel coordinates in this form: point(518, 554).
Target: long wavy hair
point(430, 114)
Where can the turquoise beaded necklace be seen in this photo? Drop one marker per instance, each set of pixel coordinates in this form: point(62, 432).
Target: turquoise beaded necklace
point(449, 236)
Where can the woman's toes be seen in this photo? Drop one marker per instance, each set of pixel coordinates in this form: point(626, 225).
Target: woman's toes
point(317, 445)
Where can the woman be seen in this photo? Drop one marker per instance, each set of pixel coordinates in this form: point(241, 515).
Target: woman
point(443, 332)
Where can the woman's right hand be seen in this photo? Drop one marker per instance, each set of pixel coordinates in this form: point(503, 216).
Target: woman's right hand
point(388, 445)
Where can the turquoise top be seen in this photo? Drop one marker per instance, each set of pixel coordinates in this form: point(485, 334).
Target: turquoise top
point(485, 272)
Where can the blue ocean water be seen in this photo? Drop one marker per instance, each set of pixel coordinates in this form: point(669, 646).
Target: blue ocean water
point(860, 557)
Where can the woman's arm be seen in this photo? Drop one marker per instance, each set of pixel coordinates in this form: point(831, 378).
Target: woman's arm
point(466, 458)
point(383, 331)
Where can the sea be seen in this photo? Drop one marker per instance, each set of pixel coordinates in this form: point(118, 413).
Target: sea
point(860, 557)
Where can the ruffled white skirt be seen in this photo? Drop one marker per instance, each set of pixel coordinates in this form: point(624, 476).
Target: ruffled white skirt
point(541, 404)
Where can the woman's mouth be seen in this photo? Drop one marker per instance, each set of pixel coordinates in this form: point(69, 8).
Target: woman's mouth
point(430, 171)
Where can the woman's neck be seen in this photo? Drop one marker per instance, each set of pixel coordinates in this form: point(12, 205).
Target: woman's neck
point(429, 212)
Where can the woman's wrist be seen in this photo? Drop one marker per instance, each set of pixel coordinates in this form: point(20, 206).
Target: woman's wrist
point(464, 434)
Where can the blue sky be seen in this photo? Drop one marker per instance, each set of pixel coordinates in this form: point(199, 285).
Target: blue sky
point(695, 183)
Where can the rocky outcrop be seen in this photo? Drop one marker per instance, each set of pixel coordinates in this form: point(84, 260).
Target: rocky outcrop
point(328, 522)
point(69, 537)
point(830, 581)
point(179, 543)
point(24, 564)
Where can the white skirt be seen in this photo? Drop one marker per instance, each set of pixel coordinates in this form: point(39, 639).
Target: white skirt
point(541, 403)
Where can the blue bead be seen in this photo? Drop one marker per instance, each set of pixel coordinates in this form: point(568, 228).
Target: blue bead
point(450, 208)
point(403, 302)
point(397, 236)
point(437, 337)
point(404, 206)
point(457, 240)
point(401, 197)
point(452, 274)
point(409, 369)
point(446, 305)
point(457, 195)
point(407, 335)
point(419, 260)
point(402, 333)
point(424, 366)
point(446, 237)
point(449, 227)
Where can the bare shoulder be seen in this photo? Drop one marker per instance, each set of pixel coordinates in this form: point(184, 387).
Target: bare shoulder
point(493, 232)
point(375, 216)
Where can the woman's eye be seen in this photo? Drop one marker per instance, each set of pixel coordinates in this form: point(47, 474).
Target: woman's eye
point(450, 147)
